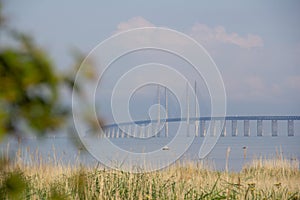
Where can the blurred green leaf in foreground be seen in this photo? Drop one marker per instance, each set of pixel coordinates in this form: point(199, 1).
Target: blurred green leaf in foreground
point(30, 87)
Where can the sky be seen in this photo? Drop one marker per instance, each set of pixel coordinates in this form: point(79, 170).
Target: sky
point(255, 44)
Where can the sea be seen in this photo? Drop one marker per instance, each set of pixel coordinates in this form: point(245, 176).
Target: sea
point(230, 153)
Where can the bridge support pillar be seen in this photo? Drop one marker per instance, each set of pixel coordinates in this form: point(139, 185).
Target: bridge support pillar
point(223, 133)
point(108, 132)
point(290, 127)
point(138, 131)
point(274, 128)
point(202, 128)
point(141, 133)
point(259, 127)
point(196, 128)
point(135, 131)
point(112, 132)
point(166, 129)
point(188, 128)
point(152, 129)
point(213, 128)
point(246, 128)
point(145, 131)
point(234, 128)
point(117, 132)
point(158, 130)
point(122, 132)
point(129, 131)
point(104, 132)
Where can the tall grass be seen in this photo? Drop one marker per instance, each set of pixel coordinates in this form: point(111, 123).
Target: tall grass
point(276, 178)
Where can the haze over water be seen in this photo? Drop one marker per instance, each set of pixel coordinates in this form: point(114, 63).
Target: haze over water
point(256, 147)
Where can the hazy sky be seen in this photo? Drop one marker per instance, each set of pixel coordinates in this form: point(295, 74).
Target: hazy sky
point(255, 44)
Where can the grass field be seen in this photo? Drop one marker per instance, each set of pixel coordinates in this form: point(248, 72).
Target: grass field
point(276, 178)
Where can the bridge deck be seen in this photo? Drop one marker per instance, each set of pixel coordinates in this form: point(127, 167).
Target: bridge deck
point(264, 118)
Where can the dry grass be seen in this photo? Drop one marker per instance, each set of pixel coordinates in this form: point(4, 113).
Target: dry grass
point(276, 178)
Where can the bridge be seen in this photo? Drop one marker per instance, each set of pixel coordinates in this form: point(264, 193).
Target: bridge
point(198, 123)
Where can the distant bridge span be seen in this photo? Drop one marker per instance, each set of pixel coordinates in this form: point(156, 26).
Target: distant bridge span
point(113, 130)
point(178, 119)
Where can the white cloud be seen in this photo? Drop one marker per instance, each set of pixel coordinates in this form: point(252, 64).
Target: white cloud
point(234, 56)
point(201, 32)
point(135, 22)
point(206, 34)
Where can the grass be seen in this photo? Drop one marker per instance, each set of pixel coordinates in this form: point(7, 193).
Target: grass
point(276, 178)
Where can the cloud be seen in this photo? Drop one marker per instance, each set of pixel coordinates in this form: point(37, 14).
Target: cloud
point(135, 22)
point(218, 34)
point(201, 32)
point(232, 52)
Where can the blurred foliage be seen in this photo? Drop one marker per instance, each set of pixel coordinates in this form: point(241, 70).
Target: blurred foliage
point(33, 97)
point(29, 89)
point(13, 185)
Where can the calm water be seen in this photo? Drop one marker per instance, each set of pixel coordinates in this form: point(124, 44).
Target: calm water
point(66, 152)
